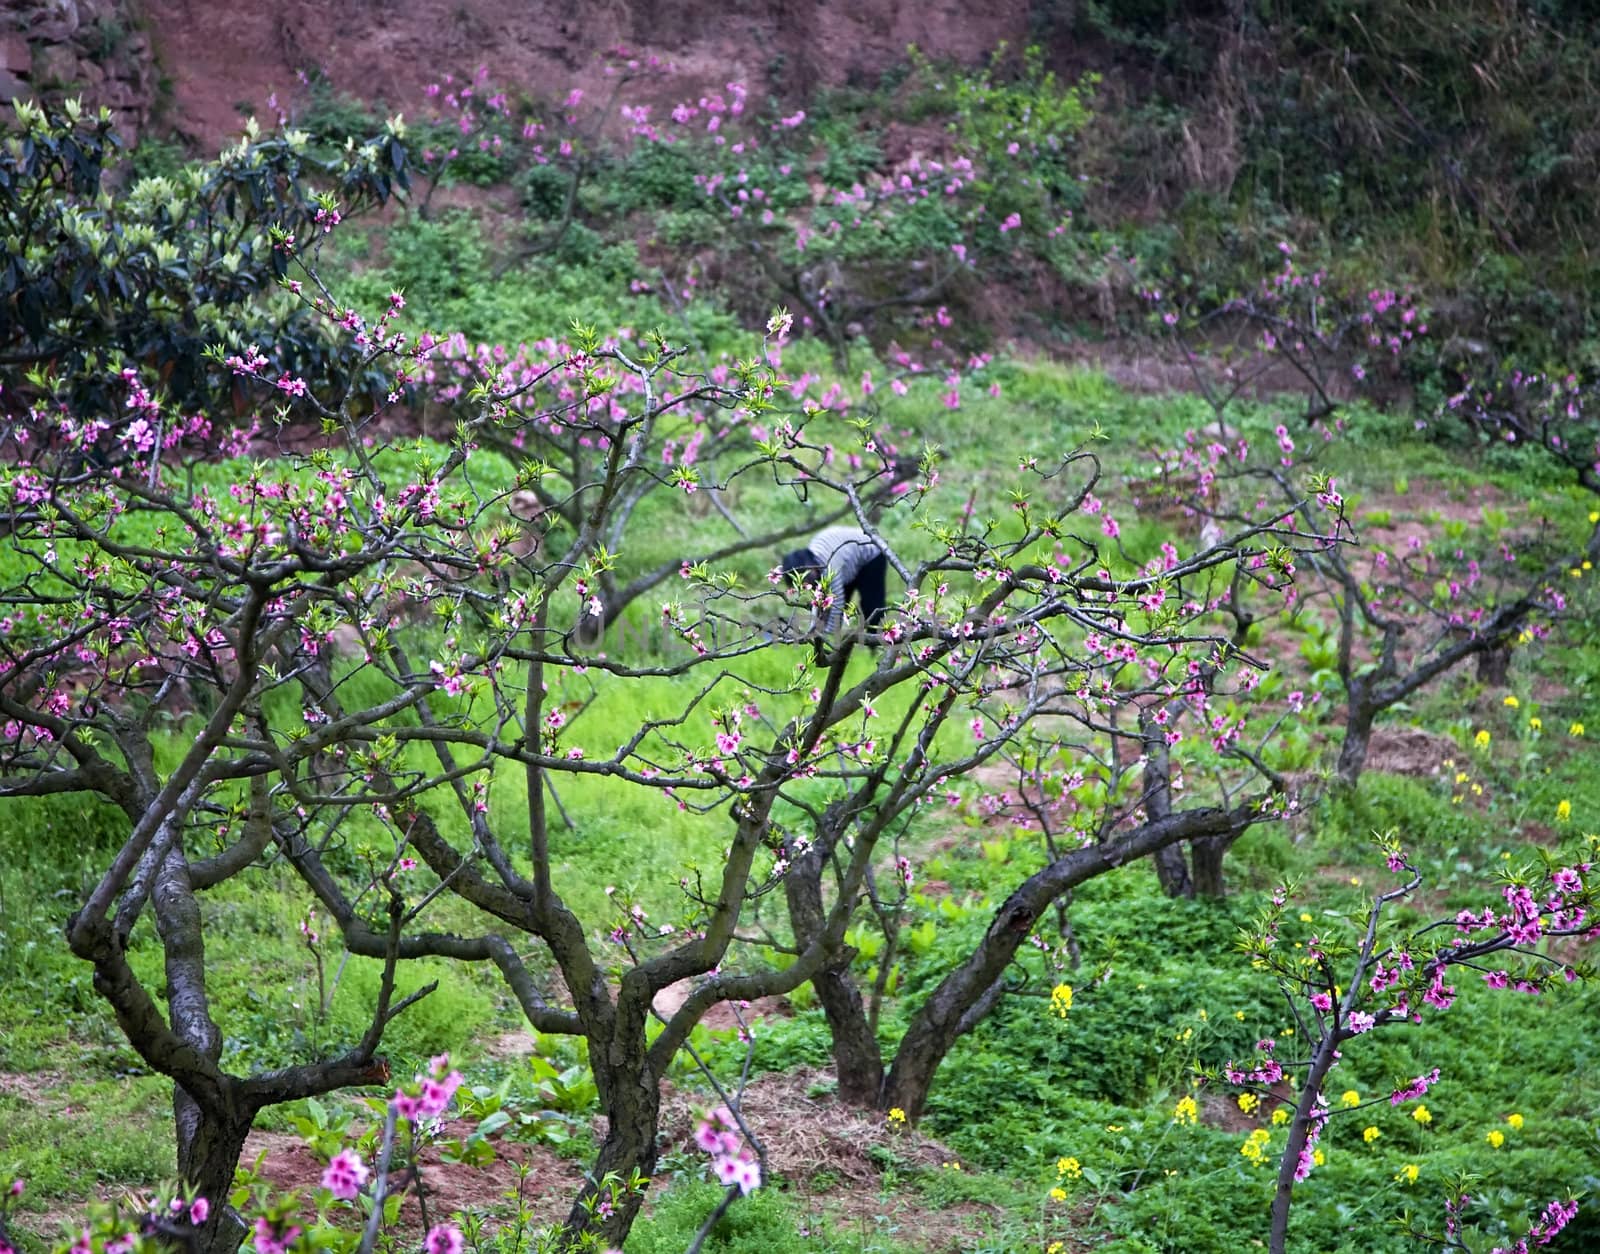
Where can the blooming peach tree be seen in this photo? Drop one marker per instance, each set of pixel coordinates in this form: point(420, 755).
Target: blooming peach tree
point(366, 656)
point(1399, 610)
point(1346, 978)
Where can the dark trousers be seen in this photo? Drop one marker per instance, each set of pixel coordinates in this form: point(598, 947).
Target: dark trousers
point(871, 590)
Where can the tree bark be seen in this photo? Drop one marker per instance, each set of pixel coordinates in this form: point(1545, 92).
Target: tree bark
point(633, 1111)
point(1357, 739)
point(1172, 872)
point(1172, 868)
point(210, 1145)
point(856, 1056)
point(1207, 854)
point(1494, 665)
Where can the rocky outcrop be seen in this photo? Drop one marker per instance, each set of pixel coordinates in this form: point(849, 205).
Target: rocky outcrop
point(223, 55)
point(97, 50)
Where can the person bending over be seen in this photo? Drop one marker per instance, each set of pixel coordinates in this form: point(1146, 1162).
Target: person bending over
point(853, 564)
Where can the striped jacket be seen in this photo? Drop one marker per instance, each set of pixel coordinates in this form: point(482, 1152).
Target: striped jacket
point(843, 551)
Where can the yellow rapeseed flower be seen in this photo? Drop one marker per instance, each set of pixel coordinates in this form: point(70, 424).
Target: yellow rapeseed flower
point(1422, 1115)
point(1511, 702)
point(1496, 1137)
point(1481, 740)
point(1255, 1145)
point(1563, 810)
point(1370, 1134)
point(1069, 1167)
point(1305, 916)
point(1407, 1174)
point(1350, 1098)
point(1186, 1111)
point(1535, 724)
point(1061, 999)
point(1318, 1157)
point(1575, 730)
point(1248, 1102)
point(1515, 1121)
point(1058, 1194)
point(896, 1115)
point(1280, 1115)
point(1055, 1247)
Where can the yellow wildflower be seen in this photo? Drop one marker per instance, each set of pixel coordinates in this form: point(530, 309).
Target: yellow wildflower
point(1239, 1015)
point(1280, 1115)
point(1058, 1194)
point(1407, 1174)
point(1370, 1134)
point(1055, 1247)
point(1186, 1111)
point(1515, 1121)
point(951, 1166)
point(1318, 1157)
point(1481, 740)
point(1496, 1137)
point(1255, 1144)
point(1305, 916)
point(1069, 1167)
point(1248, 1102)
point(1563, 810)
point(1575, 730)
point(1061, 999)
point(1422, 1115)
point(1594, 516)
point(1511, 703)
point(1350, 1098)
point(1535, 724)
point(896, 1115)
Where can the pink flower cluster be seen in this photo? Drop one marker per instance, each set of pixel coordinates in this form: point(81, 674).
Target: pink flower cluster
point(433, 1094)
point(1556, 1216)
point(443, 1239)
point(718, 1135)
point(1416, 1088)
point(345, 1175)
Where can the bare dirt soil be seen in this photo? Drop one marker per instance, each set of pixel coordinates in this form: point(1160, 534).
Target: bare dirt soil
point(220, 57)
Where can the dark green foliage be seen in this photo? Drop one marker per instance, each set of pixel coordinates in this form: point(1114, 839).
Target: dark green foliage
point(98, 274)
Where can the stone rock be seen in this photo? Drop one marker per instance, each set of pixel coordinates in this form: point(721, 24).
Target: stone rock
point(15, 55)
point(13, 88)
point(55, 21)
point(118, 94)
point(56, 64)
